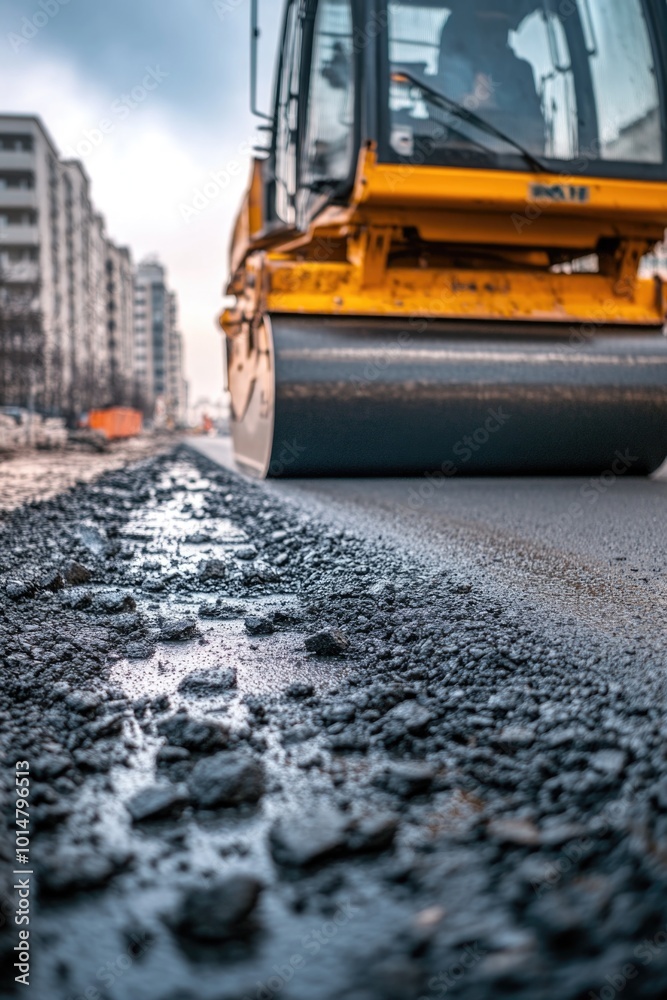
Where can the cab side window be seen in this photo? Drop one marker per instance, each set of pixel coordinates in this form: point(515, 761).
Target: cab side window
point(328, 149)
point(287, 118)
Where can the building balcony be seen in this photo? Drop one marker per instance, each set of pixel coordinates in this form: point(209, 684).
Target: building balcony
point(23, 236)
point(18, 198)
point(13, 159)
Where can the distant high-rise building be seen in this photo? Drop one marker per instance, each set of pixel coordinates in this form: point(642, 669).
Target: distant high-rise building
point(79, 327)
point(177, 387)
point(158, 348)
point(63, 281)
point(120, 323)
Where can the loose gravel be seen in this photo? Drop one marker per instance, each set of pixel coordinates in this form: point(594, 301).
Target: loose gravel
point(269, 760)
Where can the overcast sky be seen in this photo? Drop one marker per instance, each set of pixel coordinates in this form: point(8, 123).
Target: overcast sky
point(75, 63)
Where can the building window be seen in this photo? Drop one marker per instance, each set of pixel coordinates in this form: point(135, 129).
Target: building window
point(18, 255)
point(18, 217)
point(23, 180)
point(16, 142)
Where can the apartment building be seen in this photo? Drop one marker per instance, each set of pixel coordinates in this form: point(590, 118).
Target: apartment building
point(177, 387)
point(158, 357)
point(120, 325)
point(29, 275)
point(59, 272)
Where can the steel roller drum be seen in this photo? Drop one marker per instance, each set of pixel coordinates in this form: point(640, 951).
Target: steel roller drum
point(364, 397)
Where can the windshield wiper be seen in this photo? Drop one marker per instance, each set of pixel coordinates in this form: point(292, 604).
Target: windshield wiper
point(400, 75)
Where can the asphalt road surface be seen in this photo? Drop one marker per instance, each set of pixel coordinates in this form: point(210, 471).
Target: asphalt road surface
point(333, 740)
point(589, 552)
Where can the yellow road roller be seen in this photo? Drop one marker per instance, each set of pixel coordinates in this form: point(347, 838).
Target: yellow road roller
point(438, 262)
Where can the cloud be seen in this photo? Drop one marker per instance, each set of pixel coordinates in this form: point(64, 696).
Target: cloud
point(110, 43)
point(195, 123)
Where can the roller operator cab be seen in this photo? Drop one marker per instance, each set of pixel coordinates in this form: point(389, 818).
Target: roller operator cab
point(443, 240)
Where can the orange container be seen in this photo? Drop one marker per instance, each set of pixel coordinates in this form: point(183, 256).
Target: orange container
point(116, 423)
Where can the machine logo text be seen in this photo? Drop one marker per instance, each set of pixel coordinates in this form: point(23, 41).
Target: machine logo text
point(560, 193)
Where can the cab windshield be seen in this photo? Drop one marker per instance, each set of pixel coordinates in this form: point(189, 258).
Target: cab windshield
point(571, 81)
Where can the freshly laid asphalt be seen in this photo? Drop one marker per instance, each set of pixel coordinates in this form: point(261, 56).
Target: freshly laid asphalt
point(336, 740)
point(589, 551)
